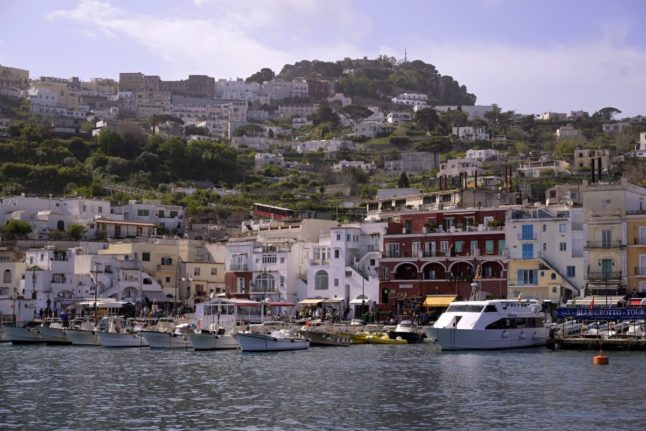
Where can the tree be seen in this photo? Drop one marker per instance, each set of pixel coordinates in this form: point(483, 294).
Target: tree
point(265, 74)
point(605, 114)
point(426, 119)
point(355, 113)
point(403, 182)
point(15, 229)
point(157, 119)
point(76, 231)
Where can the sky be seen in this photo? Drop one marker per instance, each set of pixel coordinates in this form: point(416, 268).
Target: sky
point(526, 56)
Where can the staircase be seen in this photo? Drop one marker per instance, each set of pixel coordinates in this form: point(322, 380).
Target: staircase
point(547, 262)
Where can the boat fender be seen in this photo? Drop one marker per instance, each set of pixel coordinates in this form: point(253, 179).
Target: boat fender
point(522, 334)
point(504, 334)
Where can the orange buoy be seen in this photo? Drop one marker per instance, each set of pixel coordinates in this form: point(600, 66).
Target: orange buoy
point(601, 359)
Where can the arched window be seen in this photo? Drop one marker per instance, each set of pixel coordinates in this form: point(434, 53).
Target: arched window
point(60, 225)
point(130, 293)
point(321, 280)
point(264, 283)
point(148, 281)
point(6, 277)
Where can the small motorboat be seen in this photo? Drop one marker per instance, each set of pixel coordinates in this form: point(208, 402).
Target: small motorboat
point(278, 340)
point(26, 333)
point(409, 332)
point(203, 339)
point(385, 339)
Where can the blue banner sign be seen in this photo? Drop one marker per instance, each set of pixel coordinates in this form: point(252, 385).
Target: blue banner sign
point(601, 313)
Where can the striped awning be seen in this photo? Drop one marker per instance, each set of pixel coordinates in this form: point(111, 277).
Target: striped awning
point(438, 300)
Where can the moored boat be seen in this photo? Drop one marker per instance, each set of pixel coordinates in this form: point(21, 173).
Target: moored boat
point(54, 334)
point(409, 332)
point(202, 339)
point(121, 334)
point(384, 339)
point(492, 324)
point(277, 340)
point(25, 334)
point(170, 338)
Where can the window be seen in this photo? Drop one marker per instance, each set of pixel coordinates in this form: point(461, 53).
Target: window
point(527, 232)
point(501, 246)
point(338, 237)
point(6, 277)
point(527, 277)
point(264, 282)
point(571, 271)
point(143, 213)
point(166, 261)
point(145, 256)
point(269, 258)
point(337, 253)
point(528, 251)
point(167, 279)
point(606, 238)
point(474, 246)
point(544, 228)
point(562, 228)
point(336, 282)
point(321, 280)
point(458, 246)
point(444, 246)
point(489, 246)
point(214, 271)
point(197, 271)
point(544, 246)
point(562, 246)
point(242, 286)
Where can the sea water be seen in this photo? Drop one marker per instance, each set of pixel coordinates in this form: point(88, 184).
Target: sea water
point(365, 387)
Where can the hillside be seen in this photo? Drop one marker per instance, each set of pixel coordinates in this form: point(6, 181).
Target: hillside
point(382, 78)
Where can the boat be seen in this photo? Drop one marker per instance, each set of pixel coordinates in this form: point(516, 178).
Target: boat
point(54, 333)
point(169, 336)
point(272, 341)
point(491, 324)
point(322, 334)
point(384, 339)
point(409, 332)
point(83, 333)
point(26, 333)
point(204, 339)
point(122, 333)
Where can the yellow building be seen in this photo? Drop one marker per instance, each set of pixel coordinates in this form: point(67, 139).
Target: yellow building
point(12, 269)
point(12, 77)
point(531, 278)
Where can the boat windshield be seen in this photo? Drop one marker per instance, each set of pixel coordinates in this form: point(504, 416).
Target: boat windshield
point(465, 307)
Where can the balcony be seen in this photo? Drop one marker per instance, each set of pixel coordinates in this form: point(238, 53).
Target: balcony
point(605, 212)
point(603, 244)
point(237, 267)
point(604, 275)
point(527, 237)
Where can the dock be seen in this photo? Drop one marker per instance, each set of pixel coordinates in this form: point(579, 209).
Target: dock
point(596, 343)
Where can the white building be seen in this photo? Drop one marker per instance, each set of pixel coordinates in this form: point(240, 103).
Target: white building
point(398, 117)
point(547, 245)
point(169, 218)
point(473, 112)
point(358, 164)
point(53, 214)
point(278, 89)
point(567, 132)
point(268, 159)
point(237, 90)
point(483, 155)
point(411, 99)
point(455, 167)
point(615, 127)
point(327, 146)
point(551, 116)
point(543, 167)
point(368, 128)
point(470, 134)
point(303, 110)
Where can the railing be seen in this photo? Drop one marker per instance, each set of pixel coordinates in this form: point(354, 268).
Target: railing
point(527, 236)
point(604, 275)
point(603, 244)
point(605, 212)
point(640, 270)
point(239, 267)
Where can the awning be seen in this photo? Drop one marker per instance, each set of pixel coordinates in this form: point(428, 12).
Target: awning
point(314, 301)
point(599, 301)
point(361, 299)
point(438, 300)
point(281, 304)
point(156, 296)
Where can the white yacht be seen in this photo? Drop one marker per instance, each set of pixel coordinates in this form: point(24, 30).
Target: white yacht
point(492, 324)
point(272, 341)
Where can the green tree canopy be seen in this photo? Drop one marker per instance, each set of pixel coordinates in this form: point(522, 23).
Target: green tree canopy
point(264, 74)
point(15, 229)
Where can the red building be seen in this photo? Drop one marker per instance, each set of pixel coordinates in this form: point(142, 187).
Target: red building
point(442, 253)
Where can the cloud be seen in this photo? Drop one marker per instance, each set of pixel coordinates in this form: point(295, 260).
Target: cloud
point(229, 38)
point(533, 80)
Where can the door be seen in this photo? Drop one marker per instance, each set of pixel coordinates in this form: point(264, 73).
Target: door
point(417, 249)
point(642, 265)
point(642, 235)
point(433, 251)
point(606, 268)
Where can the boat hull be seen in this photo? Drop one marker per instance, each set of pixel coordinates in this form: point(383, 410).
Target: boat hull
point(24, 335)
point(166, 340)
point(385, 339)
point(318, 338)
point(54, 336)
point(82, 337)
point(252, 342)
point(489, 339)
point(207, 341)
point(122, 340)
point(410, 337)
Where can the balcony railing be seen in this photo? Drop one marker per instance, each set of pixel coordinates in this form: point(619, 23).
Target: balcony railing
point(527, 237)
point(605, 212)
point(239, 267)
point(604, 275)
point(603, 244)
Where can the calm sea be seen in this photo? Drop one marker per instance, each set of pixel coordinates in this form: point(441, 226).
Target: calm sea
point(364, 387)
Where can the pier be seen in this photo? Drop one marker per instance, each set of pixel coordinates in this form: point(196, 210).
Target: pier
point(594, 343)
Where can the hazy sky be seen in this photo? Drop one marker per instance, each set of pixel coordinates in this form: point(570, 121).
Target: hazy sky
point(528, 56)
